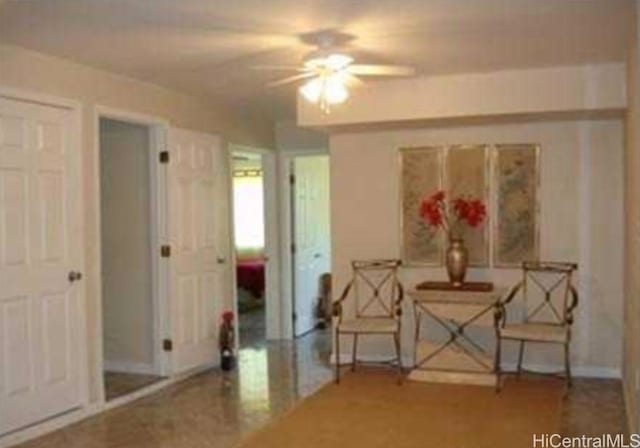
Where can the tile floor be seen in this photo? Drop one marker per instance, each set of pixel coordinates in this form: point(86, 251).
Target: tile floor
point(117, 384)
point(217, 410)
point(213, 409)
point(252, 330)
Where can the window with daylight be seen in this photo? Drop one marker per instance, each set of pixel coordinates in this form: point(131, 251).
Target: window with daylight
point(248, 211)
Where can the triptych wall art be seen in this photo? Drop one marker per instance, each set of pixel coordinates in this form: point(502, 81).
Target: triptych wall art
point(506, 177)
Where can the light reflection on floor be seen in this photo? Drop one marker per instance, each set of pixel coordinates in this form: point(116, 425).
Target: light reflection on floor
point(252, 329)
point(254, 377)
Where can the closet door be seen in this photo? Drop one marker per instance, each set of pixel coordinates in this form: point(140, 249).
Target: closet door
point(198, 218)
point(312, 235)
point(40, 338)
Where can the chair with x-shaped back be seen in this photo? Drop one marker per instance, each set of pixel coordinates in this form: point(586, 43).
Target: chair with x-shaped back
point(549, 300)
point(377, 294)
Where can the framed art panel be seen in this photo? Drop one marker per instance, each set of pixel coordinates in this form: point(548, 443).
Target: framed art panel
point(420, 176)
point(516, 232)
point(467, 176)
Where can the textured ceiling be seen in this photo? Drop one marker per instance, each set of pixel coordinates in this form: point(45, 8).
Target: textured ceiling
point(206, 47)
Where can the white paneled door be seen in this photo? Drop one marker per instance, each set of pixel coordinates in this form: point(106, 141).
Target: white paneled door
point(311, 234)
point(200, 278)
point(40, 313)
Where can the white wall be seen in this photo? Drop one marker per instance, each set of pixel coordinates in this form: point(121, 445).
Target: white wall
point(38, 72)
point(127, 301)
point(581, 219)
point(556, 90)
point(290, 137)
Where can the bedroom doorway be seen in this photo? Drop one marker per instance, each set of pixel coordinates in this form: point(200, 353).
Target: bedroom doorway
point(249, 199)
point(128, 223)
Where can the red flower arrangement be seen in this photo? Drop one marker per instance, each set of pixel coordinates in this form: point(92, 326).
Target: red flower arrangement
point(436, 213)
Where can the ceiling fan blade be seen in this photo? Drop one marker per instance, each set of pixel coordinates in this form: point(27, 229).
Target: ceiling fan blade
point(290, 79)
point(381, 70)
point(353, 81)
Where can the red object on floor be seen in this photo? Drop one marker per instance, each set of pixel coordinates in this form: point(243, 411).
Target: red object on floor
point(250, 276)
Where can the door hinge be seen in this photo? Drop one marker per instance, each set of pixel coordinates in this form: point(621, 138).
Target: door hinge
point(167, 345)
point(165, 251)
point(292, 179)
point(293, 248)
point(294, 316)
point(164, 156)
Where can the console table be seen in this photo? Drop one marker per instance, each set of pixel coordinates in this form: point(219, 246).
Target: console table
point(458, 358)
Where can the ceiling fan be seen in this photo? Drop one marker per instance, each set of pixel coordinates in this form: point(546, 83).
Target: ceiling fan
point(329, 70)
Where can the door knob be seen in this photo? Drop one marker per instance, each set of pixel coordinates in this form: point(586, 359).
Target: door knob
point(74, 276)
point(318, 255)
point(221, 260)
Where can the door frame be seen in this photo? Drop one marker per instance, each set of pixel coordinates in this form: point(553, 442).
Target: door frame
point(75, 134)
point(273, 296)
point(285, 160)
point(158, 128)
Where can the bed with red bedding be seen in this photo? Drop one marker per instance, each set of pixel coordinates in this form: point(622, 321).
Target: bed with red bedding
point(250, 276)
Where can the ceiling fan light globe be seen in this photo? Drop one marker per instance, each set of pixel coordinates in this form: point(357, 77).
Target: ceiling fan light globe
point(338, 61)
point(330, 61)
point(312, 90)
point(335, 91)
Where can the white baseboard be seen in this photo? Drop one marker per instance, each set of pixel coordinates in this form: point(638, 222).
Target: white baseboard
point(50, 425)
point(91, 409)
point(577, 371)
point(129, 367)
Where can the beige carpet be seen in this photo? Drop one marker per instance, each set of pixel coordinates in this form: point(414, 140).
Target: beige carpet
point(368, 409)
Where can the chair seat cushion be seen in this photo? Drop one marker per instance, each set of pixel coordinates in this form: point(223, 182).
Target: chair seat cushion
point(536, 332)
point(369, 325)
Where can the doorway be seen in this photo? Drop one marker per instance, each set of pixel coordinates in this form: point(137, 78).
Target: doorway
point(250, 248)
point(127, 227)
point(311, 248)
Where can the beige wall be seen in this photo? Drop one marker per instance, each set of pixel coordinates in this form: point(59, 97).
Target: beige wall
point(35, 72)
point(555, 90)
point(127, 300)
point(632, 234)
point(581, 219)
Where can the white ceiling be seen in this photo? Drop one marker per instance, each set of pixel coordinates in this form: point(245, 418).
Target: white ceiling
point(206, 47)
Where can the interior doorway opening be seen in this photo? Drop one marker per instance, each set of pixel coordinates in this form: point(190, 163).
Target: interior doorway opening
point(250, 248)
point(127, 230)
point(311, 248)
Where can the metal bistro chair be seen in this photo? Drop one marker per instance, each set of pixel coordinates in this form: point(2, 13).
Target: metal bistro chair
point(378, 297)
point(546, 320)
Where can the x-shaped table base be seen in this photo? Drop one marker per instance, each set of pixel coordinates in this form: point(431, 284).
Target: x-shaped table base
point(457, 337)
